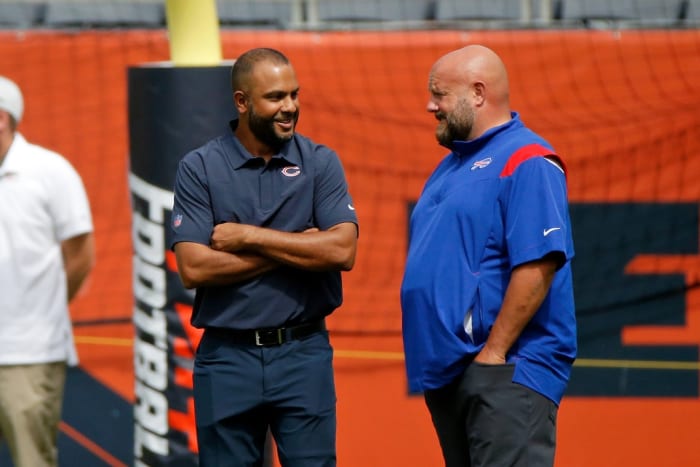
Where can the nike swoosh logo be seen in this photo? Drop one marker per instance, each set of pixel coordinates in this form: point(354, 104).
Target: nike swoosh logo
point(351, 207)
point(549, 231)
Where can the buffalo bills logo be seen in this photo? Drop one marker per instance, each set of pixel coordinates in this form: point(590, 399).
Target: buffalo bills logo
point(481, 164)
point(291, 171)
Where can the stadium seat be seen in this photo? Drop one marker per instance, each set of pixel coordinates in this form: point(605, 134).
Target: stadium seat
point(506, 10)
point(621, 12)
point(369, 10)
point(105, 14)
point(266, 14)
point(21, 14)
point(692, 12)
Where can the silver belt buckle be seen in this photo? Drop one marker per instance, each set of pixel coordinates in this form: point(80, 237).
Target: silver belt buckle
point(269, 337)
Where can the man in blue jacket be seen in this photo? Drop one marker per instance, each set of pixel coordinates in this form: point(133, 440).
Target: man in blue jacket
point(488, 309)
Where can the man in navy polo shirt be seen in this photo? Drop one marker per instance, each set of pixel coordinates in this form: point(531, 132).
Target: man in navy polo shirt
point(488, 309)
point(263, 225)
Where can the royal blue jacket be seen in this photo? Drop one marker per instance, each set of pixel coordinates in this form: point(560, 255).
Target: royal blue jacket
point(494, 203)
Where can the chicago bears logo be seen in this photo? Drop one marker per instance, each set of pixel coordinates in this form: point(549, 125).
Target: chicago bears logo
point(291, 171)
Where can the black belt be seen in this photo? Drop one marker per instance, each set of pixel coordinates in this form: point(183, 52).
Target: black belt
point(267, 337)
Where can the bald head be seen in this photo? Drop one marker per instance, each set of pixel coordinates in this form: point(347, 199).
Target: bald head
point(469, 93)
point(477, 64)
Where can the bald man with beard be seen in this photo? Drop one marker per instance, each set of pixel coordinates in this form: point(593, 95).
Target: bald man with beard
point(487, 299)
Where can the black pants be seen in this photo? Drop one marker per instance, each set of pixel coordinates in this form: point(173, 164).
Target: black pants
point(483, 419)
point(241, 391)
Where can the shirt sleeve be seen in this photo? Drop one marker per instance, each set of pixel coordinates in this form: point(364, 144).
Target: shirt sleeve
point(68, 203)
point(192, 219)
point(332, 201)
point(537, 214)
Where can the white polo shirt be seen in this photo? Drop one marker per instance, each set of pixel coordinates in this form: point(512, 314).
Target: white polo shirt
point(42, 203)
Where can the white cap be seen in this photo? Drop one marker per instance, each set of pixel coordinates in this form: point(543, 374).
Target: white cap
point(11, 98)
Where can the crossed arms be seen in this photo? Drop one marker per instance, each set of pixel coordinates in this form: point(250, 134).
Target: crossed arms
point(238, 252)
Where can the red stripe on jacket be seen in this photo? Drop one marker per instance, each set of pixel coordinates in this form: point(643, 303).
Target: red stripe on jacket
point(528, 152)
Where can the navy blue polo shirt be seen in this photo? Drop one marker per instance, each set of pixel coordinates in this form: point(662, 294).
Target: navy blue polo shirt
point(303, 186)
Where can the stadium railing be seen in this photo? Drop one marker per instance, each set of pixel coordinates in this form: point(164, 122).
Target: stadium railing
point(362, 14)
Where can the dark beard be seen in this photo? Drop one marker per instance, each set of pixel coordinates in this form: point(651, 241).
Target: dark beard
point(264, 130)
point(455, 129)
point(445, 136)
point(450, 133)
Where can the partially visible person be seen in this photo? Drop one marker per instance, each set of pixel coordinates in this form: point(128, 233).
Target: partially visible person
point(263, 224)
point(488, 309)
point(46, 252)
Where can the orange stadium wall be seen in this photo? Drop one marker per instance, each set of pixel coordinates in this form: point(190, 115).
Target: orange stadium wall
point(621, 107)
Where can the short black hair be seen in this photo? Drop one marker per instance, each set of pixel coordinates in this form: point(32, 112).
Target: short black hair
point(245, 64)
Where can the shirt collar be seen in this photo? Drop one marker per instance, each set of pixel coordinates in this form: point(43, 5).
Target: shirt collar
point(13, 158)
point(288, 153)
point(467, 148)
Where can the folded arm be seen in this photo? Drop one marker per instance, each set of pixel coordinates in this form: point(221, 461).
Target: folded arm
point(314, 250)
point(199, 265)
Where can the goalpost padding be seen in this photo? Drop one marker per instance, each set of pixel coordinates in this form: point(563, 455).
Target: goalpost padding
point(171, 111)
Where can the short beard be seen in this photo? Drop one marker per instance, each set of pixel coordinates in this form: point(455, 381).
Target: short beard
point(264, 129)
point(458, 125)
